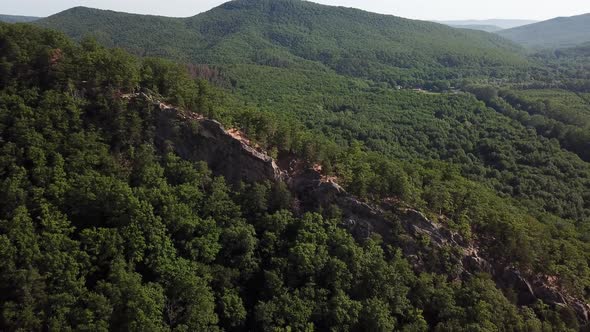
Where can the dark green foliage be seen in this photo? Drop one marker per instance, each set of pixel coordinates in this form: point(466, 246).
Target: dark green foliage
point(558, 114)
point(102, 227)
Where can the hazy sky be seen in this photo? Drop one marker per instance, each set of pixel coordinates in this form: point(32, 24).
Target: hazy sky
point(418, 9)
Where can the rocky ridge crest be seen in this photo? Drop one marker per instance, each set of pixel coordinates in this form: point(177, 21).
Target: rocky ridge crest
point(229, 153)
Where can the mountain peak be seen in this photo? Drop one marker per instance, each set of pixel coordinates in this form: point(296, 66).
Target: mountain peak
point(301, 32)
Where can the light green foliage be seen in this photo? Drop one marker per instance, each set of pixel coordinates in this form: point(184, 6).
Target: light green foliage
point(297, 34)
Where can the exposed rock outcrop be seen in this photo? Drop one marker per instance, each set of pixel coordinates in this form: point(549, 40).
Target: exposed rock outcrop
point(315, 192)
point(210, 142)
point(513, 279)
point(475, 264)
point(196, 138)
point(416, 224)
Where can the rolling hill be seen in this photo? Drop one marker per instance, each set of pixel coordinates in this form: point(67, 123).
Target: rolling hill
point(555, 33)
point(299, 34)
point(17, 19)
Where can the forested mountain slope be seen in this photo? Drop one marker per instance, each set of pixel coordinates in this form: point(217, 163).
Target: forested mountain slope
point(555, 33)
point(574, 53)
point(512, 156)
point(107, 224)
point(300, 34)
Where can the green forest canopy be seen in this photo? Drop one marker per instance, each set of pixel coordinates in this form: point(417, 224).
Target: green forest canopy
point(298, 34)
point(102, 229)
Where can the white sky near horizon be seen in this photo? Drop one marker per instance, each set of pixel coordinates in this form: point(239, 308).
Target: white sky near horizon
point(416, 9)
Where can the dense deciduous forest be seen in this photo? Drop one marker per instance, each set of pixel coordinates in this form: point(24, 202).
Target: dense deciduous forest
point(300, 34)
point(104, 227)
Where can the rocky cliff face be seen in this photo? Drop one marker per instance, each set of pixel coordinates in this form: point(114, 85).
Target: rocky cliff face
point(202, 139)
point(407, 228)
point(196, 138)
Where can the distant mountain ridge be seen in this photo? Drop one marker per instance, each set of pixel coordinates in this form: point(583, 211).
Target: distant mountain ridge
point(486, 28)
point(501, 23)
point(293, 33)
point(555, 33)
point(17, 18)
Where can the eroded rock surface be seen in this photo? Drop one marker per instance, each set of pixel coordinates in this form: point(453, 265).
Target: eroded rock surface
point(207, 140)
